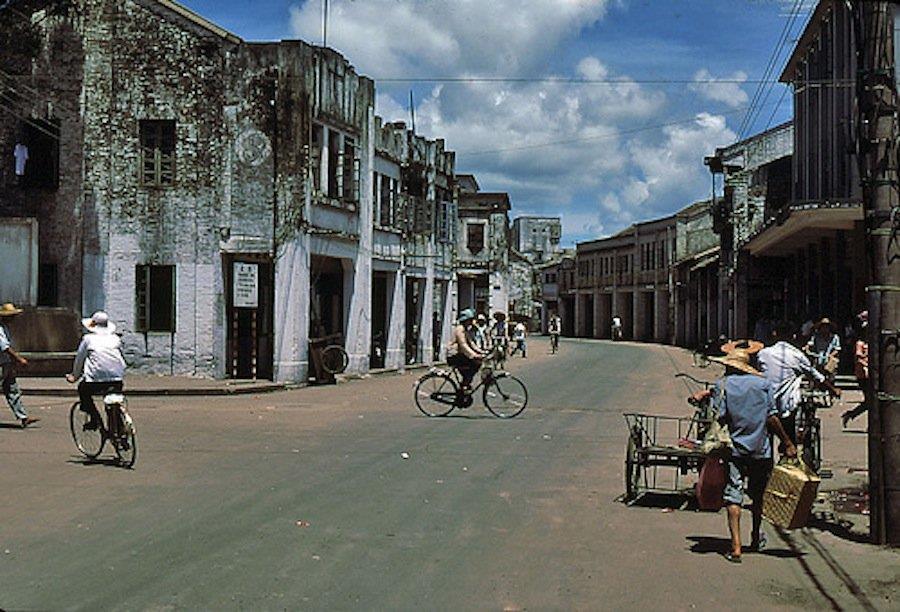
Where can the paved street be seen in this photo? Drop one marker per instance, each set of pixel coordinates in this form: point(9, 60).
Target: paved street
point(301, 499)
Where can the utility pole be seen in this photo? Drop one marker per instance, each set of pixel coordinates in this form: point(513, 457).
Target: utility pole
point(877, 150)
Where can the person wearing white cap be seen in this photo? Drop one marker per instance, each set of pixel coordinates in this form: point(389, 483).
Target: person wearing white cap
point(98, 362)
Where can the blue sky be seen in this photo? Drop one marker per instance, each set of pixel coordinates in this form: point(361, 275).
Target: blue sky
point(601, 155)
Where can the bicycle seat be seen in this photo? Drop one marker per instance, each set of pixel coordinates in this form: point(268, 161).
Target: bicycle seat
point(113, 398)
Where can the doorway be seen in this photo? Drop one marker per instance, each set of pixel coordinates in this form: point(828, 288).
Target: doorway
point(249, 283)
point(381, 319)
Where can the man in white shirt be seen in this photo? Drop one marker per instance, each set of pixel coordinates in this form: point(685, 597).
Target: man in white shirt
point(785, 366)
point(99, 364)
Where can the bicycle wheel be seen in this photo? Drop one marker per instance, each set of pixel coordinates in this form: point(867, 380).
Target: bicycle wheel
point(812, 444)
point(335, 359)
point(126, 441)
point(436, 394)
point(632, 470)
point(505, 396)
point(88, 441)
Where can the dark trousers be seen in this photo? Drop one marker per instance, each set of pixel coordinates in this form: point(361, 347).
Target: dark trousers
point(467, 367)
point(87, 391)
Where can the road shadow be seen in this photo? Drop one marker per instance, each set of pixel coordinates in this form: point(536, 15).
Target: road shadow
point(705, 545)
point(12, 426)
point(836, 526)
point(664, 501)
point(103, 461)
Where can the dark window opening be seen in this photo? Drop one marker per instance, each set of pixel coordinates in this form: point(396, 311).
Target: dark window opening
point(475, 237)
point(48, 285)
point(157, 152)
point(155, 298)
point(37, 160)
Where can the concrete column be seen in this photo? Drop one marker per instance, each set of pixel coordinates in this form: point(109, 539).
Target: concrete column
point(598, 314)
point(637, 313)
point(292, 279)
point(426, 324)
point(661, 316)
point(358, 300)
point(579, 315)
point(450, 314)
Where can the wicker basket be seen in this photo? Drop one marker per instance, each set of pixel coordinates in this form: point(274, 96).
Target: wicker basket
point(790, 494)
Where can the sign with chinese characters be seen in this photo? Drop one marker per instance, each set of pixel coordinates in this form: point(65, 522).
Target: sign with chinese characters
point(245, 285)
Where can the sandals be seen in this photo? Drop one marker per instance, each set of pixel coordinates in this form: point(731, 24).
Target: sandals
point(733, 558)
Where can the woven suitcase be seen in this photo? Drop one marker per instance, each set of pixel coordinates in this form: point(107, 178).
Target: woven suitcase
point(790, 494)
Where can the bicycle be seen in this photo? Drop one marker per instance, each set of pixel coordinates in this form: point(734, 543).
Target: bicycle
point(118, 429)
point(809, 433)
point(335, 359)
point(439, 392)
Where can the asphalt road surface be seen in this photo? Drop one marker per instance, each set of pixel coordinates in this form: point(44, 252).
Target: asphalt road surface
point(305, 500)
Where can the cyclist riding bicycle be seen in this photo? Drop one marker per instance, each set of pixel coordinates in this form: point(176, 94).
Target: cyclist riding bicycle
point(99, 364)
point(554, 326)
point(462, 351)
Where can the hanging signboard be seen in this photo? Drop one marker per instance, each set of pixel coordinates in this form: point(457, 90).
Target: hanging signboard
point(245, 285)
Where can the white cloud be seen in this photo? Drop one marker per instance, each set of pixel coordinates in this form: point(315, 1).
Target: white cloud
point(390, 38)
point(601, 175)
point(674, 168)
point(726, 89)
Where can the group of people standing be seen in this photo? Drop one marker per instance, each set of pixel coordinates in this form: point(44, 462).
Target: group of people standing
point(760, 396)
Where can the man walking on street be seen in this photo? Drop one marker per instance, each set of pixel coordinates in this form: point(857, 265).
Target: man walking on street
point(746, 405)
point(519, 334)
point(9, 359)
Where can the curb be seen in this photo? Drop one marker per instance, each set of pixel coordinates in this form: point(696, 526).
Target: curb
point(197, 392)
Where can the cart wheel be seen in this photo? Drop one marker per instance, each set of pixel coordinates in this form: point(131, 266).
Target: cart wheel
point(632, 470)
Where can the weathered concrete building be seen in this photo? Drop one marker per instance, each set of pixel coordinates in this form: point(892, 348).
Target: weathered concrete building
point(223, 200)
point(483, 249)
point(627, 275)
point(803, 257)
point(537, 238)
point(757, 183)
point(695, 276)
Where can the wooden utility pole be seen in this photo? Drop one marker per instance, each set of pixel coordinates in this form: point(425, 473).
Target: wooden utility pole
point(877, 150)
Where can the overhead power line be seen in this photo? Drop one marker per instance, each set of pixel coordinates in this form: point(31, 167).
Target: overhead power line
point(609, 81)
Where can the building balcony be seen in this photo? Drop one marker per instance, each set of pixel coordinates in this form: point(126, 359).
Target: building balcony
point(801, 223)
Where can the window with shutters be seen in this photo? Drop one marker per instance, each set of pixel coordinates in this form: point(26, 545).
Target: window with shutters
point(157, 156)
point(154, 298)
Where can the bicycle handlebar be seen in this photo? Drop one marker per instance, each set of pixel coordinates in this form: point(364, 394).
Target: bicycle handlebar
point(706, 384)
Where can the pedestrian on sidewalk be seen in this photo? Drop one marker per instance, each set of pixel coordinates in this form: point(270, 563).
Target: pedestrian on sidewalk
point(745, 404)
point(9, 361)
point(825, 348)
point(99, 364)
point(519, 335)
point(784, 365)
point(860, 368)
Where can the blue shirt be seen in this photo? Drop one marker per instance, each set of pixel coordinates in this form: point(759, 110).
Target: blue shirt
point(745, 405)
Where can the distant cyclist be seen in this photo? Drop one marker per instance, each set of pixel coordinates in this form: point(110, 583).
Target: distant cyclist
point(99, 364)
point(554, 327)
point(617, 328)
